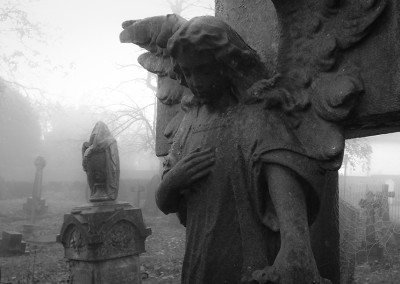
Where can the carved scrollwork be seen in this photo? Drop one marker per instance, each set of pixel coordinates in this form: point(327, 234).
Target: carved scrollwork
point(120, 238)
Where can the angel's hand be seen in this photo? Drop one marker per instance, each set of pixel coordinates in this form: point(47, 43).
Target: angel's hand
point(190, 169)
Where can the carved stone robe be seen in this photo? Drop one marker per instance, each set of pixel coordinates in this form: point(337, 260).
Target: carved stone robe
point(224, 213)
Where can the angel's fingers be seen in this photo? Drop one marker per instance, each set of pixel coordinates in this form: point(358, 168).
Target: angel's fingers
point(202, 165)
point(201, 174)
point(199, 159)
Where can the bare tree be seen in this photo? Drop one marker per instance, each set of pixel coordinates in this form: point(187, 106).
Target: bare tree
point(358, 152)
point(18, 35)
point(180, 6)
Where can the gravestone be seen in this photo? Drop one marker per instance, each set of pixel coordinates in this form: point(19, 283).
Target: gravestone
point(36, 205)
point(103, 239)
point(11, 243)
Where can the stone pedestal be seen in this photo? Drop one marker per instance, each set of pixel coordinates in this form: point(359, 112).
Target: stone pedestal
point(36, 206)
point(103, 241)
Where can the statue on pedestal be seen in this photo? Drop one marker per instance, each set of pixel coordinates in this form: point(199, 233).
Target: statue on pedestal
point(247, 167)
point(103, 239)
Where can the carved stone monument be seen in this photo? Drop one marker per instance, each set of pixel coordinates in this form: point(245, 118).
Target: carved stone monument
point(263, 135)
point(36, 205)
point(103, 239)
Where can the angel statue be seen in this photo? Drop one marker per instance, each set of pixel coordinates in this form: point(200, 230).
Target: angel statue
point(246, 170)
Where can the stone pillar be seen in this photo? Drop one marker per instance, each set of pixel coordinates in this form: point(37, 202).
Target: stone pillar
point(36, 205)
point(103, 241)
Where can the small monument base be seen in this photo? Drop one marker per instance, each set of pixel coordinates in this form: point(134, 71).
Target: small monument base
point(113, 271)
point(103, 241)
point(11, 244)
point(38, 207)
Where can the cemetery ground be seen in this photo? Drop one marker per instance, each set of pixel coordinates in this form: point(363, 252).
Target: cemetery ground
point(161, 263)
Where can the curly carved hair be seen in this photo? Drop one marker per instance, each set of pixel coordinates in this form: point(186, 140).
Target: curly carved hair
point(208, 33)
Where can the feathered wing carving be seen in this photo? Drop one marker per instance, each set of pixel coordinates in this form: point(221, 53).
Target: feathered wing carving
point(321, 81)
point(152, 34)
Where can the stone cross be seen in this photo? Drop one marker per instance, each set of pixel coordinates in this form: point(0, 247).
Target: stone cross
point(36, 205)
point(40, 163)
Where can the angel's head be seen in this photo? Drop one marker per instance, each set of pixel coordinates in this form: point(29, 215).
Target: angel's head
point(210, 57)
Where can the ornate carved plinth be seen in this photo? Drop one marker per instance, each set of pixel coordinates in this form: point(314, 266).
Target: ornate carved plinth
point(103, 242)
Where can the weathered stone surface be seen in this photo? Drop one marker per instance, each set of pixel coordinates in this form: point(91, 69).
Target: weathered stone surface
point(323, 82)
point(152, 34)
point(256, 22)
point(101, 164)
point(370, 28)
point(150, 206)
point(349, 240)
point(124, 270)
point(38, 206)
point(103, 239)
point(377, 57)
point(230, 167)
point(103, 231)
point(325, 238)
point(11, 243)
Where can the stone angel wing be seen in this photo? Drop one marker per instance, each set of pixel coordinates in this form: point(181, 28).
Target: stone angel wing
point(318, 83)
point(152, 34)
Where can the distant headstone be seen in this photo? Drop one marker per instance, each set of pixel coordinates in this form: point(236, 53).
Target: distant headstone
point(2, 188)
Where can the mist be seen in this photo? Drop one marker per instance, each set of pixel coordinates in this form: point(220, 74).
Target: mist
point(62, 69)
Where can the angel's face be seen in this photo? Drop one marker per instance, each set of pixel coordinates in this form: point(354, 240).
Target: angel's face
point(204, 75)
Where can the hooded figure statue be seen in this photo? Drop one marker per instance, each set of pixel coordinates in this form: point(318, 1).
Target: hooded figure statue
point(100, 161)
